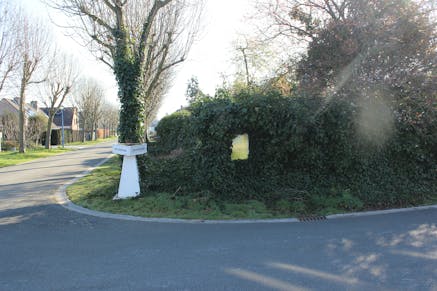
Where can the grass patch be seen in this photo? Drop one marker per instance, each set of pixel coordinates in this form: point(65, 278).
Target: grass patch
point(96, 190)
point(92, 142)
point(15, 158)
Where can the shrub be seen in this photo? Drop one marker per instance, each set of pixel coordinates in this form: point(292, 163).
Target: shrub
point(174, 131)
point(305, 154)
point(9, 145)
point(172, 173)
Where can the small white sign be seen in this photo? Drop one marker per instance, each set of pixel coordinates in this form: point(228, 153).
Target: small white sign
point(129, 150)
point(129, 186)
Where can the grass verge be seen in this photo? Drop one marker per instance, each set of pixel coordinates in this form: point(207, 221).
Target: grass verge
point(92, 142)
point(96, 190)
point(15, 158)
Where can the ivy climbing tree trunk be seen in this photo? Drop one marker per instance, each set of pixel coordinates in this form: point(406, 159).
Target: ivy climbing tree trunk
point(129, 82)
point(141, 41)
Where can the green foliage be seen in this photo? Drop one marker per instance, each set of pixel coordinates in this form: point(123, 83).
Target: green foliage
point(100, 184)
point(357, 131)
point(97, 189)
point(174, 132)
point(305, 155)
point(378, 46)
point(327, 204)
point(15, 158)
point(131, 127)
point(193, 93)
point(172, 172)
point(131, 89)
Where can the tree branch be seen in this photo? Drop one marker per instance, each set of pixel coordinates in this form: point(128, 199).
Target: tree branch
point(147, 28)
point(110, 6)
point(106, 62)
point(97, 20)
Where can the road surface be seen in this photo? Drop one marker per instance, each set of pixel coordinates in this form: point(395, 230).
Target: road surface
point(44, 246)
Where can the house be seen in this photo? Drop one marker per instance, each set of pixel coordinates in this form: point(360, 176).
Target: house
point(72, 130)
point(12, 106)
point(151, 129)
point(71, 118)
point(9, 114)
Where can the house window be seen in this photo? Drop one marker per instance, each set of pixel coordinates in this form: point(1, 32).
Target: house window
point(240, 147)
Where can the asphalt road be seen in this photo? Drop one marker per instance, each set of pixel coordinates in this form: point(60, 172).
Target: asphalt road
point(44, 246)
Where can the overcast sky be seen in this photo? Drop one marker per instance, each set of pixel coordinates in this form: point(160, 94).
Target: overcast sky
point(209, 57)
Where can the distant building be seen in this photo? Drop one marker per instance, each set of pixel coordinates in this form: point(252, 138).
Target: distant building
point(12, 106)
point(9, 118)
point(71, 118)
point(151, 130)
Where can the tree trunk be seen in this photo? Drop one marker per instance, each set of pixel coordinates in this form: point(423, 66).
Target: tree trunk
point(82, 123)
point(49, 133)
point(22, 117)
point(130, 84)
point(246, 66)
point(131, 116)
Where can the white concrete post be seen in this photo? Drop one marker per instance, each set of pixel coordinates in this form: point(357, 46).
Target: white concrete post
point(130, 179)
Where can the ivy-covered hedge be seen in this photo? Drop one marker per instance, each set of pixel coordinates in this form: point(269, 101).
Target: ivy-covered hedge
point(306, 151)
point(174, 132)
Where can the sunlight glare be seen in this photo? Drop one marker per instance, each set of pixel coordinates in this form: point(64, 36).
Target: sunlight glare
point(315, 273)
point(264, 280)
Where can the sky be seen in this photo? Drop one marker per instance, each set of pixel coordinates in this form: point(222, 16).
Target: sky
point(209, 58)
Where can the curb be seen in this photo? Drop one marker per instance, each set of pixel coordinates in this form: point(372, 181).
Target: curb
point(61, 198)
point(381, 212)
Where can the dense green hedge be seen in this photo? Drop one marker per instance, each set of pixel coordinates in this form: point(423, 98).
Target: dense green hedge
point(174, 131)
point(305, 153)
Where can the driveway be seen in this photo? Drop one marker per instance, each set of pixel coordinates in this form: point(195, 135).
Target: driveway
point(44, 246)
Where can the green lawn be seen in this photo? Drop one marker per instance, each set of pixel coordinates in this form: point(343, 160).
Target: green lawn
point(92, 142)
point(14, 158)
point(8, 158)
point(96, 191)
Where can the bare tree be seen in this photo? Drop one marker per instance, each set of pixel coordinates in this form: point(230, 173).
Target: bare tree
point(298, 19)
point(89, 100)
point(155, 99)
point(303, 20)
point(61, 76)
point(109, 119)
point(35, 128)
point(33, 40)
point(141, 41)
point(10, 126)
point(253, 59)
point(243, 50)
point(8, 42)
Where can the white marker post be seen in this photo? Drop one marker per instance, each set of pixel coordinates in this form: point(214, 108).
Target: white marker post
point(130, 179)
